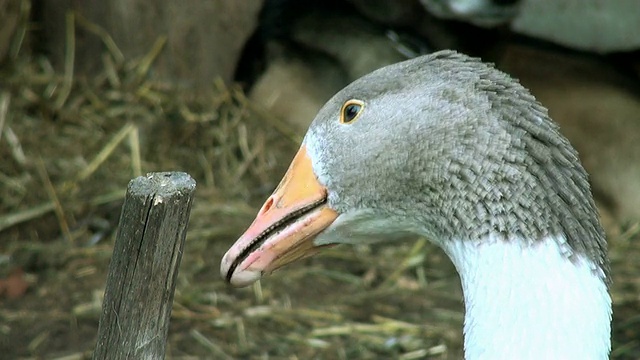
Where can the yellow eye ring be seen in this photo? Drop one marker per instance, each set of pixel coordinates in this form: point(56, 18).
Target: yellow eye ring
point(350, 111)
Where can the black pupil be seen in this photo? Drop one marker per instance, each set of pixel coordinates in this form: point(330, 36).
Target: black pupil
point(350, 112)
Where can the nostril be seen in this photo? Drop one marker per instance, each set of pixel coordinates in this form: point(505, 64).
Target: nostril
point(267, 205)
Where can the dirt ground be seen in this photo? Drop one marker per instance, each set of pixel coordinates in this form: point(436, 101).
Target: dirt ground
point(69, 146)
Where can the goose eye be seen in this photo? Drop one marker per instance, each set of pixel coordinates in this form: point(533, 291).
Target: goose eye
point(350, 111)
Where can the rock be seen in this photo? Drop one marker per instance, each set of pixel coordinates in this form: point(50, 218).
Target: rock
point(12, 15)
point(294, 86)
point(357, 44)
point(317, 53)
point(593, 25)
point(395, 13)
point(598, 109)
point(204, 38)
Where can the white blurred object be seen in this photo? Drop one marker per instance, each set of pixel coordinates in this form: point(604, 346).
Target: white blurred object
point(478, 12)
point(593, 25)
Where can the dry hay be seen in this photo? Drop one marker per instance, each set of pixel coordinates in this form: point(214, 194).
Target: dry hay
point(71, 144)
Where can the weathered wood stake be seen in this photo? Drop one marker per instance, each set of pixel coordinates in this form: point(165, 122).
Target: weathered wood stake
point(143, 270)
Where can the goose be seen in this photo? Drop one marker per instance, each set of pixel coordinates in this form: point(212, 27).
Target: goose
point(449, 148)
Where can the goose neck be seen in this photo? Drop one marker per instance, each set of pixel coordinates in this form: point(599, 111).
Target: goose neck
point(528, 300)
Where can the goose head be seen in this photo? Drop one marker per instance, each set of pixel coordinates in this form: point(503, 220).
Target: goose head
point(449, 148)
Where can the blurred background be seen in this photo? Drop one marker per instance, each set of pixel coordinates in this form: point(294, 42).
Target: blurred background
point(96, 92)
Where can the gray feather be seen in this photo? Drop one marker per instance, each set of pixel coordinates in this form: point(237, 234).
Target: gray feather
point(461, 147)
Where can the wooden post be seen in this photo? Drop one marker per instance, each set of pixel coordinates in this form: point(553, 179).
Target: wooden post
point(142, 275)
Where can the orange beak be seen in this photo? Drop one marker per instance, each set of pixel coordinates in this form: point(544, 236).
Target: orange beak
point(285, 227)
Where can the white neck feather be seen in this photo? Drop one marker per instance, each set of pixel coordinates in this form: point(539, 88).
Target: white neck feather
point(531, 302)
